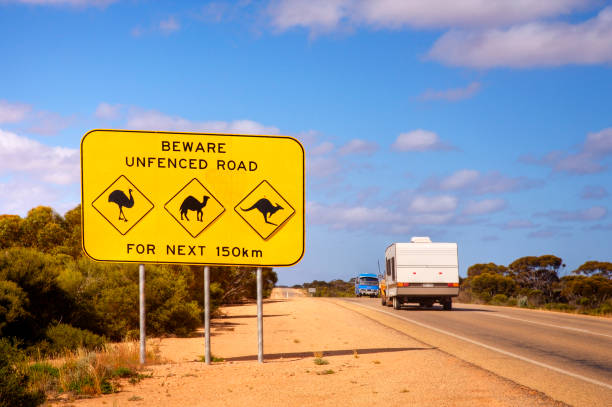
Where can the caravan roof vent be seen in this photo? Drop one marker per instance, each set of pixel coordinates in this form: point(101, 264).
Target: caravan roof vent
point(420, 239)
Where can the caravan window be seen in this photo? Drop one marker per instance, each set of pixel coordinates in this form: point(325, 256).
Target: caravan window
point(393, 268)
point(388, 268)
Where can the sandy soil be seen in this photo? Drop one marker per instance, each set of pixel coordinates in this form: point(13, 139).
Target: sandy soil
point(368, 364)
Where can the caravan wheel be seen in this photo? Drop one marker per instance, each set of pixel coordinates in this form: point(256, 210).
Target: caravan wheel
point(383, 300)
point(396, 303)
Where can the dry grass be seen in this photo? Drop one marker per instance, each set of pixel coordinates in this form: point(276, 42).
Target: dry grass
point(90, 373)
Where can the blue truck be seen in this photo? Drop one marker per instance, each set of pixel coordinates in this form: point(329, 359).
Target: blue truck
point(366, 284)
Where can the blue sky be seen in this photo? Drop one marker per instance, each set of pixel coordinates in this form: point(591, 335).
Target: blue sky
point(485, 122)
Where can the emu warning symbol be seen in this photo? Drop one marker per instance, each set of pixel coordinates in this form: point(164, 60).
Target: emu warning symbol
point(122, 205)
point(265, 210)
point(194, 207)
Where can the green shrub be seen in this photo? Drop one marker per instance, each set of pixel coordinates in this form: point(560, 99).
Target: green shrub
point(559, 306)
point(64, 337)
point(512, 302)
point(14, 380)
point(499, 299)
point(43, 376)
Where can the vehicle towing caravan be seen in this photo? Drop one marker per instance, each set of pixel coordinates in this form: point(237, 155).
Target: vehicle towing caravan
point(421, 272)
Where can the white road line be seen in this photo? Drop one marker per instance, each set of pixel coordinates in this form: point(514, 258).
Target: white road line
point(493, 348)
point(569, 328)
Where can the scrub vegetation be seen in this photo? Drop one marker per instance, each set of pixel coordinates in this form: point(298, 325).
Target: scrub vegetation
point(535, 282)
point(55, 303)
point(334, 288)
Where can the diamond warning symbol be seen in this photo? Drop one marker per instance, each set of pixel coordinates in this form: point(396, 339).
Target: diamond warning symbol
point(265, 210)
point(194, 207)
point(122, 205)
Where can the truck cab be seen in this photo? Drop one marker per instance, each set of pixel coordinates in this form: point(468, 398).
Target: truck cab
point(366, 284)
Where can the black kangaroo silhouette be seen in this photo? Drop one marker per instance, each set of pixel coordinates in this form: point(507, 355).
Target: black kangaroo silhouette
point(266, 208)
point(192, 204)
point(118, 197)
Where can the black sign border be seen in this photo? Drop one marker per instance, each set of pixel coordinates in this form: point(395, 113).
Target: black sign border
point(144, 132)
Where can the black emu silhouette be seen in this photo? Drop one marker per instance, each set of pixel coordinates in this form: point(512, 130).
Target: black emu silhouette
point(119, 197)
point(266, 208)
point(192, 204)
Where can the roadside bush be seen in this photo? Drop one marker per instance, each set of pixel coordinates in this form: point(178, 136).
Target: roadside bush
point(14, 389)
point(43, 376)
point(559, 306)
point(12, 303)
point(535, 298)
point(499, 299)
point(64, 337)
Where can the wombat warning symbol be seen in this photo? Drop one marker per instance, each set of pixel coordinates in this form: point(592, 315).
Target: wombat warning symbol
point(194, 207)
point(265, 210)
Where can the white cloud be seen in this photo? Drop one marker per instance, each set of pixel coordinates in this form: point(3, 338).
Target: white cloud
point(322, 166)
point(327, 15)
point(529, 45)
point(433, 204)
point(154, 120)
point(478, 183)
point(419, 140)
point(169, 26)
point(484, 207)
point(593, 192)
point(599, 143)
point(451, 95)
point(587, 160)
point(322, 148)
point(518, 224)
point(460, 179)
point(106, 111)
point(57, 165)
point(585, 215)
point(318, 15)
point(19, 197)
point(551, 231)
point(340, 217)
point(13, 112)
point(48, 123)
point(357, 146)
point(75, 3)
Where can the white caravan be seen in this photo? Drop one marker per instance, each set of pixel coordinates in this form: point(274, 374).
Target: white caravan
point(421, 272)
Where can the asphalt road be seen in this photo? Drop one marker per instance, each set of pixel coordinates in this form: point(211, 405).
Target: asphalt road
point(571, 348)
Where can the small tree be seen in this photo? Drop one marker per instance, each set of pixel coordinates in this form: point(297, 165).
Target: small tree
point(491, 268)
point(486, 285)
point(537, 273)
point(13, 379)
point(595, 268)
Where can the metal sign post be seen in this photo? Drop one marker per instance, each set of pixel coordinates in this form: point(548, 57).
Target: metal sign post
point(207, 315)
point(259, 316)
point(141, 292)
point(193, 198)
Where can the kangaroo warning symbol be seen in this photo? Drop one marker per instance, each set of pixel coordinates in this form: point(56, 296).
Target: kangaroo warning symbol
point(194, 207)
point(265, 210)
point(122, 205)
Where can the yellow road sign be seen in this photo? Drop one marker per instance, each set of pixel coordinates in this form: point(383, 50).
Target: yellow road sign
point(158, 197)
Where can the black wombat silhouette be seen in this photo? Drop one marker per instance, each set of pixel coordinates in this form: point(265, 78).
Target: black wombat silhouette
point(192, 204)
point(266, 208)
point(118, 197)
